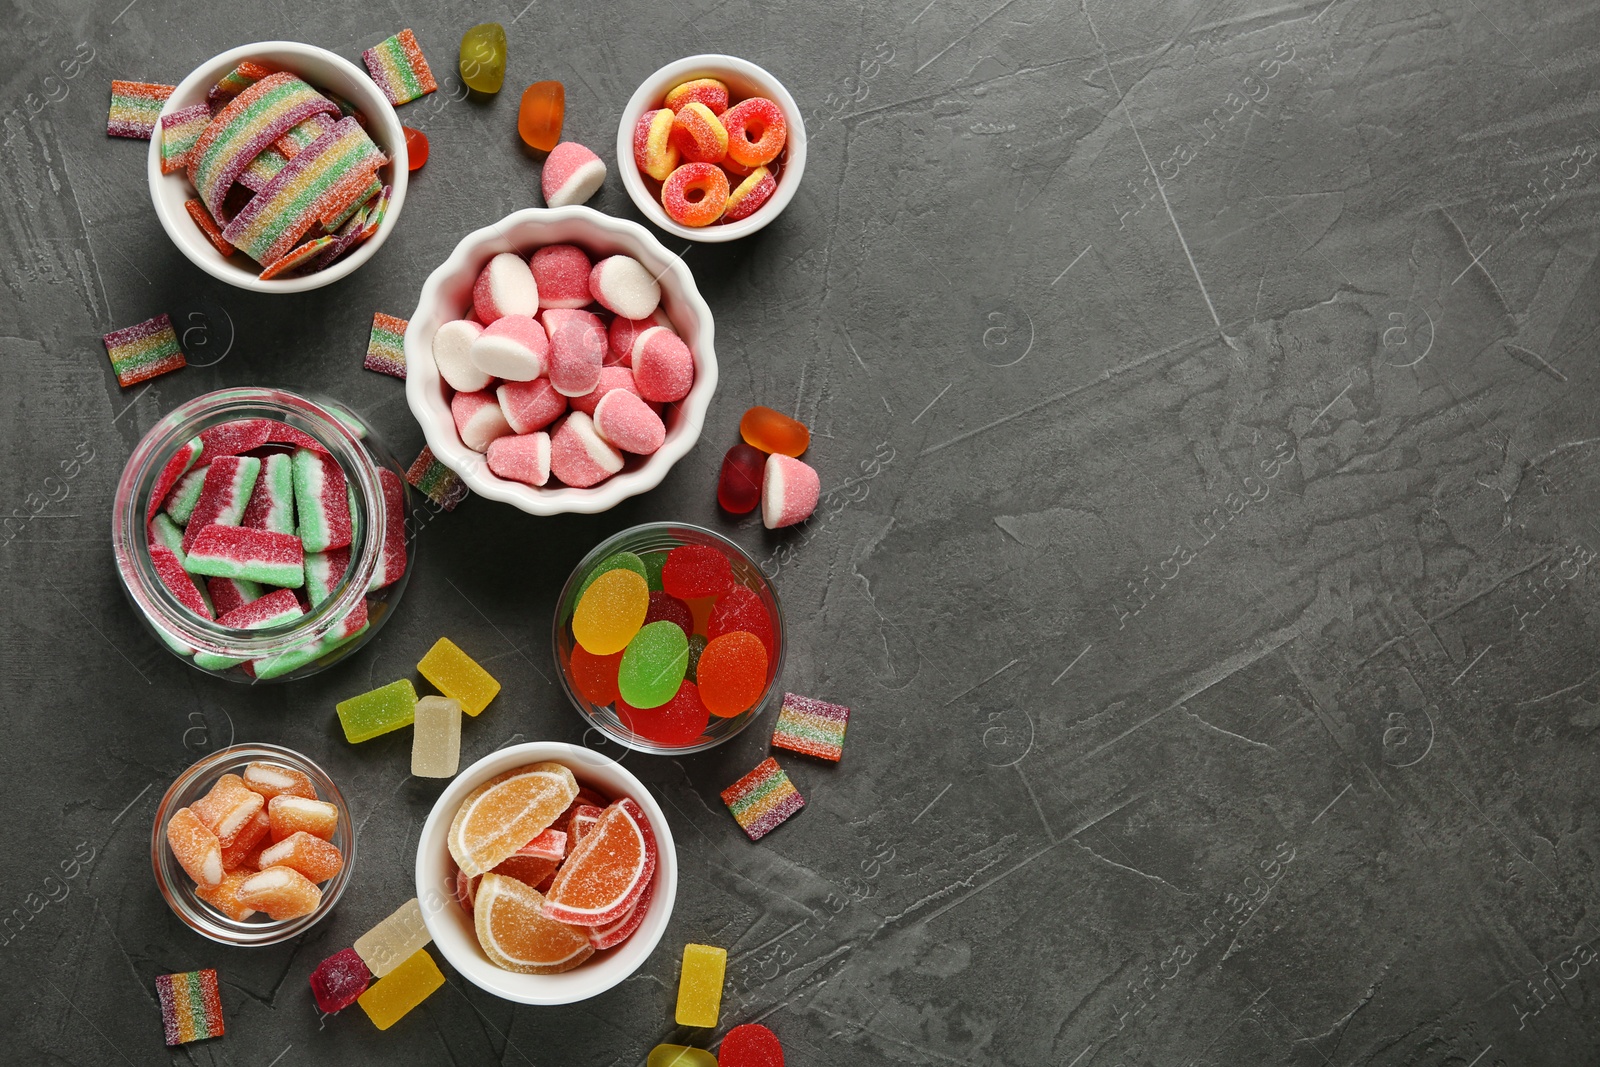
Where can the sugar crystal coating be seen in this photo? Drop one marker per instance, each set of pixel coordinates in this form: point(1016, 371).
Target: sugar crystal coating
point(811, 727)
point(258, 555)
point(282, 892)
point(506, 812)
point(516, 931)
point(452, 354)
point(371, 714)
point(521, 458)
point(699, 133)
point(579, 456)
point(700, 985)
point(757, 131)
point(195, 847)
point(436, 741)
point(653, 149)
point(741, 608)
point(505, 286)
point(191, 1007)
point(394, 940)
point(623, 285)
point(572, 174)
point(762, 799)
point(594, 677)
point(313, 857)
point(393, 996)
point(478, 419)
point(513, 347)
point(790, 491)
point(708, 91)
point(208, 226)
point(246, 127)
point(458, 675)
point(136, 108)
point(397, 65)
point(139, 353)
point(530, 406)
point(628, 423)
point(562, 274)
point(608, 869)
point(694, 571)
point(680, 721)
point(437, 482)
point(653, 664)
point(732, 673)
point(180, 130)
point(663, 366)
point(392, 558)
point(289, 814)
point(271, 504)
point(224, 496)
point(695, 194)
point(610, 612)
point(338, 980)
point(750, 1045)
point(386, 346)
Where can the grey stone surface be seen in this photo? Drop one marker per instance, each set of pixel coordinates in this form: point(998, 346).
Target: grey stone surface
point(1208, 562)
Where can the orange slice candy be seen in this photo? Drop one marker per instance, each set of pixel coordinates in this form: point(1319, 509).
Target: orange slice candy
point(506, 813)
point(517, 935)
point(608, 870)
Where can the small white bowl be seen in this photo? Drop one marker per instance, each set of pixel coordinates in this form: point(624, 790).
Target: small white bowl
point(323, 70)
point(447, 294)
point(451, 927)
point(744, 79)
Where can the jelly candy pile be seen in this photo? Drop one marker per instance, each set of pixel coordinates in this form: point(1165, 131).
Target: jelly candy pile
point(764, 470)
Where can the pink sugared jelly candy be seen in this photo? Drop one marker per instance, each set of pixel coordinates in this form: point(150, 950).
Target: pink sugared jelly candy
point(627, 422)
point(562, 274)
point(479, 419)
point(506, 287)
point(577, 350)
point(621, 284)
point(750, 195)
point(523, 458)
point(513, 347)
point(195, 847)
point(572, 174)
point(530, 406)
point(579, 456)
point(313, 857)
point(624, 332)
point(452, 354)
point(290, 814)
point(789, 492)
point(230, 805)
point(653, 149)
point(610, 378)
point(663, 367)
point(281, 892)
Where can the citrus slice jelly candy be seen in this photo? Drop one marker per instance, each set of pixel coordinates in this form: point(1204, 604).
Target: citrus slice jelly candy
point(732, 673)
point(653, 664)
point(740, 608)
point(507, 812)
point(613, 934)
point(773, 431)
point(608, 870)
point(544, 106)
point(516, 933)
point(611, 612)
point(680, 721)
point(696, 571)
point(594, 677)
point(195, 847)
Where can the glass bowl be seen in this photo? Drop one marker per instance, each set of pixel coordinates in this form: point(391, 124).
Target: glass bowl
point(178, 888)
point(663, 537)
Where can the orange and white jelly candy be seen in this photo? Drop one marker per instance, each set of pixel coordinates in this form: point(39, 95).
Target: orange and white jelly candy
point(313, 857)
point(508, 916)
point(229, 807)
point(281, 892)
point(224, 896)
point(195, 847)
point(291, 814)
point(274, 779)
point(507, 812)
point(248, 842)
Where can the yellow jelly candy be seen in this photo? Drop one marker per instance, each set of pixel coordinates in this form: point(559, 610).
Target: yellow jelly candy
point(680, 1056)
point(394, 995)
point(458, 676)
point(483, 57)
point(610, 612)
point(700, 985)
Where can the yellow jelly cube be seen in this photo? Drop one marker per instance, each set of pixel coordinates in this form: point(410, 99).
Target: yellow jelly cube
point(457, 675)
point(390, 998)
point(700, 985)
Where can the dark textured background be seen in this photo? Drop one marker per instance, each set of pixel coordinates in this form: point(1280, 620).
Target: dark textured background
point(1209, 567)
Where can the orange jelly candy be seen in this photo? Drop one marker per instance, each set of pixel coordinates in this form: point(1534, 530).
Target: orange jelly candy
point(544, 106)
point(229, 807)
point(507, 812)
point(291, 814)
point(509, 918)
point(273, 779)
point(248, 842)
point(224, 896)
point(594, 677)
point(281, 892)
point(610, 612)
point(733, 673)
point(773, 431)
point(313, 857)
point(195, 847)
point(698, 134)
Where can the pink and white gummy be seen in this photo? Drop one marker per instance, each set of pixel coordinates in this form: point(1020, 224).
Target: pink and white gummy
point(579, 456)
point(522, 458)
point(790, 490)
point(506, 287)
point(621, 284)
point(577, 350)
point(562, 274)
point(513, 347)
point(479, 419)
point(530, 406)
point(628, 423)
point(663, 367)
point(572, 174)
point(452, 354)
point(624, 332)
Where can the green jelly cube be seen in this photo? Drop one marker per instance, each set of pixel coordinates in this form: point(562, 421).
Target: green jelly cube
point(384, 709)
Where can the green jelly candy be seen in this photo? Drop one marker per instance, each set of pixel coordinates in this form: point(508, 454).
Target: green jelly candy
point(483, 57)
point(697, 645)
point(653, 665)
point(617, 561)
point(387, 708)
point(653, 562)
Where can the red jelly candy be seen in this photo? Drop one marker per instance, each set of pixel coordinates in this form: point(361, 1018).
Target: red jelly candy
point(750, 1045)
point(665, 606)
point(339, 980)
point(739, 484)
point(732, 673)
point(416, 148)
point(679, 721)
point(741, 609)
point(594, 677)
point(695, 571)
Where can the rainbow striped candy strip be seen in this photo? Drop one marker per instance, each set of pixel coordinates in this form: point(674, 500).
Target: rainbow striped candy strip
point(302, 136)
point(179, 132)
point(347, 238)
point(386, 347)
point(811, 727)
point(262, 169)
point(337, 167)
point(191, 1009)
point(296, 258)
point(437, 482)
point(141, 352)
point(376, 213)
point(399, 69)
point(346, 213)
point(208, 225)
point(235, 82)
point(245, 128)
point(136, 108)
point(763, 799)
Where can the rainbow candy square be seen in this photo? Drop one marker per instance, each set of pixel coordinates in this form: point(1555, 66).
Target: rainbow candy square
point(386, 348)
point(191, 1009)
point(399, 69)
point(811, 727)
point(144, 351)
point(136, 108)
point(763, 799)
point(438, 483)
point(180, 131)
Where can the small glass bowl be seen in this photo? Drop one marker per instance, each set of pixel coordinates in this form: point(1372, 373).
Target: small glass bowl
point(663, 537)
point(178, 888)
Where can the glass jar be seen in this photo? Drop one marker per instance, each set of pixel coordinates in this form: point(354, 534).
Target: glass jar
point(178, 888)
point(327, 631)
point(663, 537)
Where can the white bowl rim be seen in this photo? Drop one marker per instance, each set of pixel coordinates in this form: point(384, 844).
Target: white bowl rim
point(707, 65)
point(543, 989)
point(439, 428)
point(205, 75)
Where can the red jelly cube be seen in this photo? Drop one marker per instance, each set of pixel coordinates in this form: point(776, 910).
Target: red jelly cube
point(339, 980)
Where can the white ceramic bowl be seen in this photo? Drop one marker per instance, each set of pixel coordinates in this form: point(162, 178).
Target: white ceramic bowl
point(744, 79)
point(451, 927)
point(323, 70)
point(447, 294)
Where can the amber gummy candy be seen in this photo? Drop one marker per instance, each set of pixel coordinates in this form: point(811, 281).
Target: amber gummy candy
point(544, 106)
point(773, 431)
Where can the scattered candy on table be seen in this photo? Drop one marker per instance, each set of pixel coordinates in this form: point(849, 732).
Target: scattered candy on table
point(386, 346)
point(700, 985)
point(679, 1056)
point(483, 57)
point(416, 148)
point(790, 490)
point(739, 484)
point(136, 108)
point(139, 353)
point(337, 981)
point(393, 996)
point(762, 799)
point(191, 1009)
point(693, 143)
point(458, 675)
point(436, 742)
point(394, 940)
point(772, 431)
point(378, 712)
point(750, 1045)
point(437, 482)
point(398, 66)
point(539, 116)
point(572, 174)
point(811, 727)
